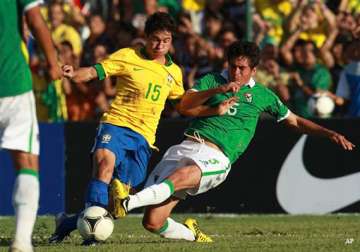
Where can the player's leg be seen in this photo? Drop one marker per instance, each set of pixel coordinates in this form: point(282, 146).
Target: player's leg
point(156, 219)
point(20, 136)
point(103, 168)
point(185, 177)
point(25, 197)
point(103, 163)
point(130, 173)
point(103, 160)
point(197, 171)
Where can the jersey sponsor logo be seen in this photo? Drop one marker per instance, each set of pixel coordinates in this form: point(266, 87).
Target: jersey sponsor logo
point(248, 97)
point(212, 161)
point(299, 192)
point(137, 69)
point(106, 138)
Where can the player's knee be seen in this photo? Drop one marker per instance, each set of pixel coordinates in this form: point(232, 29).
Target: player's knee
point(104, 168)
point(186, 177)
point(25, 160)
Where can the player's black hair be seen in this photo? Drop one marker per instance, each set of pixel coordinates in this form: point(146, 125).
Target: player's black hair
point(244, 49)
point(159, 21)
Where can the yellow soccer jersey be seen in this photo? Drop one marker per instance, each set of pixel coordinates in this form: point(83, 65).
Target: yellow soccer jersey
point(142, 86)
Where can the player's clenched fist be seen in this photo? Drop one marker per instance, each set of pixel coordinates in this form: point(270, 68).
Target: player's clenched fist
point(230, 87)
point(68, 71)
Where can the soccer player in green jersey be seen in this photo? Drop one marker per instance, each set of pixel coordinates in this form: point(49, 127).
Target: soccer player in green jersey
point(203, 160)
point(18, 124)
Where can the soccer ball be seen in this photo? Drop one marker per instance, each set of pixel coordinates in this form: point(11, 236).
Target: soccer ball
point(321, 105)
point(95, 223)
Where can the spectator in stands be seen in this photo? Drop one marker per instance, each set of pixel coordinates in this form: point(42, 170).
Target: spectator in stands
point(213, 25)
point(349, 84)
point(80, 98)
point(271, 74)
point(193, 52)
point(273, 15)
point(97, 36)
point(315, 19)
point(106, 89)
point(309, 78)
point(62, 32)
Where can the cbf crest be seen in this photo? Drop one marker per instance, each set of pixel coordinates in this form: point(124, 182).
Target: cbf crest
point(248, 97)
point(169, 80)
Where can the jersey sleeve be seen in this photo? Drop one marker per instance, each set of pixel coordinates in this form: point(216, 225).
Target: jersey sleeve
point(115, 64)
point(177, 90)
point(204, 83)
point(276, 107)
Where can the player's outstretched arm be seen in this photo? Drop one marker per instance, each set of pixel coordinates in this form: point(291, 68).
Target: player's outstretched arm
point(42, 34)
point(204, 110)
point(83, 74)
point(308, 127)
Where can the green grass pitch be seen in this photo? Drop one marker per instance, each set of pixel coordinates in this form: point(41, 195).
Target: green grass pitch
point(230, 233)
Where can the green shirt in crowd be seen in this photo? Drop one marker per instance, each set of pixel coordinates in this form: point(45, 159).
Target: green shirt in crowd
point(318, 78)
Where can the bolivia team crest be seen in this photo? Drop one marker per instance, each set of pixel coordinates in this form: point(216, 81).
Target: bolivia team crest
point(248, 97)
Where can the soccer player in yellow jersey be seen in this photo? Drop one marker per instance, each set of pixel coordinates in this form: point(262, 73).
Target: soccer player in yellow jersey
point(146, 78)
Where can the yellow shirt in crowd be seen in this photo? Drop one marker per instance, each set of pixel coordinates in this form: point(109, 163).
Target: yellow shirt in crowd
point(274, 13)
point(67, 33)
point(143, 86)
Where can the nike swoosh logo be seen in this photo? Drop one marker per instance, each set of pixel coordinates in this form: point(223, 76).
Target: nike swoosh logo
point(137, 69)
point(299, 192)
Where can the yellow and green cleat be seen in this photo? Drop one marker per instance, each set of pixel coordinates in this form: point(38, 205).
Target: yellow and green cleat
point(194, 227)
point(117, 193)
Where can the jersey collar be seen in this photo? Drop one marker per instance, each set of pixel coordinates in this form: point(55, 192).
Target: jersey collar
point(146, 56)
point(225, 75)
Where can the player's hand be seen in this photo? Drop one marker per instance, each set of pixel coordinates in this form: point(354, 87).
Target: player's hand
point(68, 71)
point(233, 87)
point(55, 72)
point(226, 105)
point(341, 140)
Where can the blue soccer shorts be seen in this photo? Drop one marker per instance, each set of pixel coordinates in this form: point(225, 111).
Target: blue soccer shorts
point(131, 150)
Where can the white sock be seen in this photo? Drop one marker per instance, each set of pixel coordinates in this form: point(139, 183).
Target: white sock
point(25, 201)
point(176, 230)
point(151, 195)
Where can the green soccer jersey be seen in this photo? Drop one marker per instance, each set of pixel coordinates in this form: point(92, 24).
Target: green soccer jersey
point(233, 131)
point(15, 75)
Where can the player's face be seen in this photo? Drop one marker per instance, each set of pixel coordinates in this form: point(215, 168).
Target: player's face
point(240, 71)
point(159, 43)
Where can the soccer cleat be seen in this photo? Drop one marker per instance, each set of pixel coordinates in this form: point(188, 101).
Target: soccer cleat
point(89, 243)
point(118, 192)
point(194, 227)
point(64, 226)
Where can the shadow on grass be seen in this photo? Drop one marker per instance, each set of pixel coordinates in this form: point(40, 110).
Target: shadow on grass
point(5, 242)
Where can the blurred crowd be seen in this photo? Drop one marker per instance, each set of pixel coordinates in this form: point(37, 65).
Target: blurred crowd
point(306, 47)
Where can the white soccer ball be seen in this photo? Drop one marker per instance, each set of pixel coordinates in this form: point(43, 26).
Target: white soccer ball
point(321, 105)
point(95, 223)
